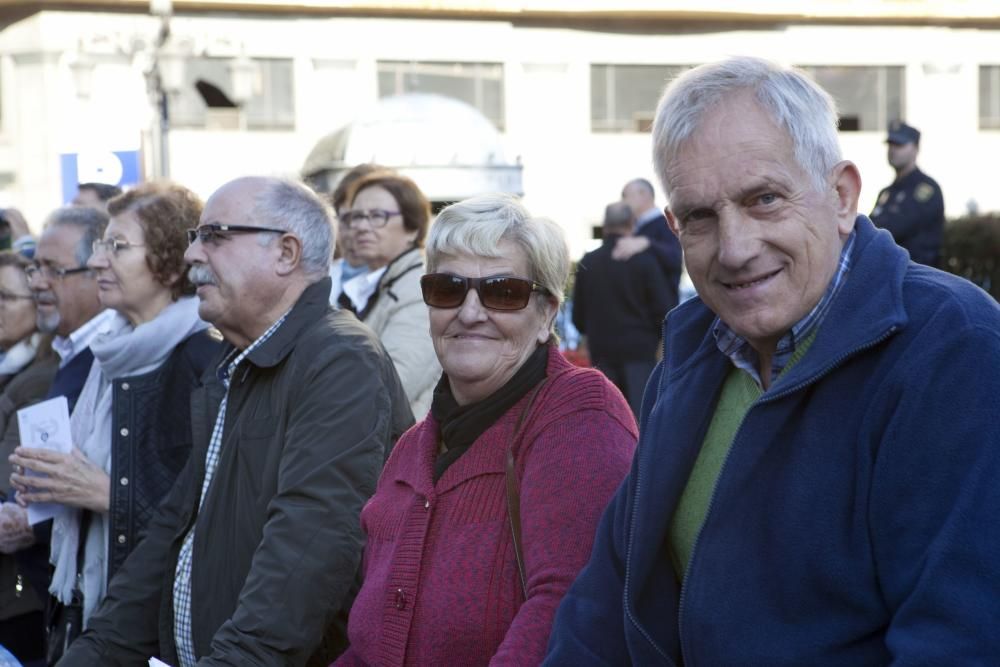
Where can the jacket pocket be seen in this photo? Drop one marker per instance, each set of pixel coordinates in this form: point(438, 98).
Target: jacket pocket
point(257, 454)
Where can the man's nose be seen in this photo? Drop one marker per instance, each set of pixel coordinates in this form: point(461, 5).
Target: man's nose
point(38, 282)
point(739, 240)
point(195, 252)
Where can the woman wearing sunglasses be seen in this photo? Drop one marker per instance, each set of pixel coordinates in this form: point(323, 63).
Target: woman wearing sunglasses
point(444, 581)
point(131, 427)
point(387, 223)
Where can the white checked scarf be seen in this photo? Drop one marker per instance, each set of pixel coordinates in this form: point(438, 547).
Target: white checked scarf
point(182, 573)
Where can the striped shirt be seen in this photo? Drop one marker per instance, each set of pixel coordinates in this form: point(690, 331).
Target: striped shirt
point(182, 573)
point(745, 357)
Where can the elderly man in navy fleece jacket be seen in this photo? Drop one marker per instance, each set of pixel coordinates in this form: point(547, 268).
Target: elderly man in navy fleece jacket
point(816, 479)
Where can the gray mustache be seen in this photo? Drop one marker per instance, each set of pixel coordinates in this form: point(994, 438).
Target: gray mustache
point(199, 274)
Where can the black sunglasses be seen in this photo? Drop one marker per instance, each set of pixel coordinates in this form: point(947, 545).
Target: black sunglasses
point(443, 290)
point(215, 232)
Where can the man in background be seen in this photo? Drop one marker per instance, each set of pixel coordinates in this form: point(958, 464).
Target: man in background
point(67, 306)
point(619, 306)
point(912, 207)
point(651, 233)
point(95, 195)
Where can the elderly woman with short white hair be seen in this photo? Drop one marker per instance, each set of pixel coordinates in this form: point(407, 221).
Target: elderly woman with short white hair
point(486, 509)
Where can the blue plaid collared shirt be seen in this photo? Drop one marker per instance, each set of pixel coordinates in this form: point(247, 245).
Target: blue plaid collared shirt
point(745, 357)
point(182, 573)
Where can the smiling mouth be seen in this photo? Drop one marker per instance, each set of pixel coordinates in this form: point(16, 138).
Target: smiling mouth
point(751, 283)
point(471, 336)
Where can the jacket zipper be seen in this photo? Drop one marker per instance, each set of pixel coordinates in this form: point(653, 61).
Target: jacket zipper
point(628, 546)
point(760, 401)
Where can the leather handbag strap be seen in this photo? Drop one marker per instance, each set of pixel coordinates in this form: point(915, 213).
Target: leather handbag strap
point(513, 493)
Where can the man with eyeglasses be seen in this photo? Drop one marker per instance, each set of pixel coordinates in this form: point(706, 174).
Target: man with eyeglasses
point(67, 305)
point(66, 293)
point(254, 556)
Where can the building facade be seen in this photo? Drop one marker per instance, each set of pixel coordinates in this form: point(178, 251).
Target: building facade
point(571, 92)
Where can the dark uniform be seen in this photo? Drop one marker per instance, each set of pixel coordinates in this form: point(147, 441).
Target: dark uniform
point(912, 208)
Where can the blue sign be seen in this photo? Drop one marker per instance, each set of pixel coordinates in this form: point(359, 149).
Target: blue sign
point(121, 168)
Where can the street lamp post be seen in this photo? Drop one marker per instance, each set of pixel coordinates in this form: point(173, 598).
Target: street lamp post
point(158, 89)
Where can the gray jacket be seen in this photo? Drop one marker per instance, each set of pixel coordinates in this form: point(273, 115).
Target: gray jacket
point(397, 314)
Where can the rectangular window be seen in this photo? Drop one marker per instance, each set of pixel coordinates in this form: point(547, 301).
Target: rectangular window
point(208, 84)
point(989, 97)
point(868, 98)
point(477, 84)
point(623, 97)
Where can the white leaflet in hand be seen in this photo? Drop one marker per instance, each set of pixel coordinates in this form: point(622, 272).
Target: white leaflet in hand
point(153, 662)
point(45, 425)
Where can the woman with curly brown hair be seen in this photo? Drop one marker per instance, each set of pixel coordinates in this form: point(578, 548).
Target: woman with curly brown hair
point(130, 429)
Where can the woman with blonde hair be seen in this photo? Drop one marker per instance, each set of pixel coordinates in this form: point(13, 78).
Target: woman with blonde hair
point(487, 508)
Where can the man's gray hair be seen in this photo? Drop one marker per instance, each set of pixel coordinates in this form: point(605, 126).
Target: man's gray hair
point(793, 100)
point(477, 226)
point(90, 221)
point(291, 205)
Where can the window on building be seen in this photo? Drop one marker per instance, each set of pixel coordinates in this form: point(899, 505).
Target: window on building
point(868, 98)
point(477, 84)
point(623, 97)
point(989, 97)
point(270, 107)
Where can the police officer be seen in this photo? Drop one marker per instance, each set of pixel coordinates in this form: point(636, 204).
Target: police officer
point(912, 208)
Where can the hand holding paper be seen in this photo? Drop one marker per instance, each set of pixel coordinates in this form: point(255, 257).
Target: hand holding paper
point(49, 471)
point(53, 477)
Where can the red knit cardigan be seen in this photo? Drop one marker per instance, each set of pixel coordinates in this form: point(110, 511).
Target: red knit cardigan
point(441, 584)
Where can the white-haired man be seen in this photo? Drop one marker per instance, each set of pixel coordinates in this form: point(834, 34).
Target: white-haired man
point(253, 557)
point(816, 476)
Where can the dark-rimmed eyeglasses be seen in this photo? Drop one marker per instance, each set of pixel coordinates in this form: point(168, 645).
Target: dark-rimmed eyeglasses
point(51, 273)
point(377, 217)
point(444, 290)
point(112, 246)
point(215, 232)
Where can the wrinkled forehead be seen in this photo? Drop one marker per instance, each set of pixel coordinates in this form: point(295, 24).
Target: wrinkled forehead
point(732, 137)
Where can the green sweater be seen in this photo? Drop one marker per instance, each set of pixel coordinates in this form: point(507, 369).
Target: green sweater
point(739, 392)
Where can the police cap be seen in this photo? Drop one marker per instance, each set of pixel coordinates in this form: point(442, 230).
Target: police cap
point(901, 133)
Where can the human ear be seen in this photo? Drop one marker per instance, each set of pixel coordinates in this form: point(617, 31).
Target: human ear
point(846, 188)
point(290, 255)
point(550, 309)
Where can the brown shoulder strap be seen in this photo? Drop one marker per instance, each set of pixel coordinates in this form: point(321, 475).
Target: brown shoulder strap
point(513, 494)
